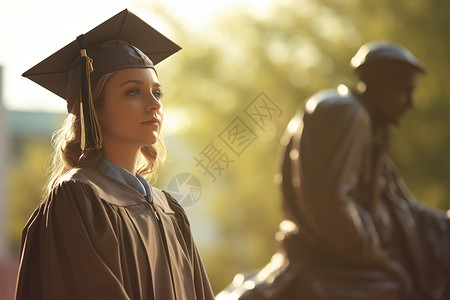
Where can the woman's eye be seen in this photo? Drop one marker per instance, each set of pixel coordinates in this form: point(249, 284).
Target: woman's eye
point(157, 94)
point(133, 92)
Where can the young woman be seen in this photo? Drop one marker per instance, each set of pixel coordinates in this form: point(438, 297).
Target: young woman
point(102, 232)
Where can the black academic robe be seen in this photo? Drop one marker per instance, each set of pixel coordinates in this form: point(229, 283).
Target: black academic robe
point(96, 238)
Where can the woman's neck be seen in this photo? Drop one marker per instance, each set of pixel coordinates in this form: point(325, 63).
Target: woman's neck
point(122, 155)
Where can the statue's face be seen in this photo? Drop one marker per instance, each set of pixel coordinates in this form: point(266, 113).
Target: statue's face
point(392, 102)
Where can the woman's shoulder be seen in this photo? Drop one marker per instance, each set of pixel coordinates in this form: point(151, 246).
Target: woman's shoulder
point(80, 175)
point(76, 182)
point(67, 202)
point(103, 186)
point(72, 187)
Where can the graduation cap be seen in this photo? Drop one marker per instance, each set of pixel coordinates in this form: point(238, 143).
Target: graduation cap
point(121, 42)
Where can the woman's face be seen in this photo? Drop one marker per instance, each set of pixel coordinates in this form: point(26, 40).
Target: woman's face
point(131, 113)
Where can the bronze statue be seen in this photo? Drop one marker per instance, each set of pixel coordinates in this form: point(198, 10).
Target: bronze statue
point(352, 228)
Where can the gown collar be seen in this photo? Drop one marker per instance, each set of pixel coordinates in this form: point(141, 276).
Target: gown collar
point(136, 182)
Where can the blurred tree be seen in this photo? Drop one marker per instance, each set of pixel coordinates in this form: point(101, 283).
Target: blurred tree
point(27, 177)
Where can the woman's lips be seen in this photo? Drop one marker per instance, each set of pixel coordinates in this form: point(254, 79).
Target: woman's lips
point(153, 123)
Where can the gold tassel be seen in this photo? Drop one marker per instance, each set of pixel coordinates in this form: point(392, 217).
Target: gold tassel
point(91, 138)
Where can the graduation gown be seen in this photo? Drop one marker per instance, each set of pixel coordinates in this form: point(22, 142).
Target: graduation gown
point(96, 238)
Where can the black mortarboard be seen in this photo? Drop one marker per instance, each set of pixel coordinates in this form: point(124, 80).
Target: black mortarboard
point(123, 41)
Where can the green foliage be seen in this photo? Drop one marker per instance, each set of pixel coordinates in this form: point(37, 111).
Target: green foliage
point(26, 179)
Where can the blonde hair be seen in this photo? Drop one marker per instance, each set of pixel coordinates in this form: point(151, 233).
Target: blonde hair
point(67, 153)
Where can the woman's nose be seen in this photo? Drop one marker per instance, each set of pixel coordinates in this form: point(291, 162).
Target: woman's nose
point(152, 103)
